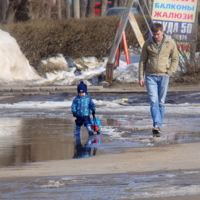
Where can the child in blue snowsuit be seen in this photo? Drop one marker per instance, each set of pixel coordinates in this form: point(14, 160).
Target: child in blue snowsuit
point(81, 107)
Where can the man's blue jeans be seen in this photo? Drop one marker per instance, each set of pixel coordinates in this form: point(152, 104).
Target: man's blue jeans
point(157, 87)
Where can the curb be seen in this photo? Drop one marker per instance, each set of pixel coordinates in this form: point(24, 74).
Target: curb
point(46, 90)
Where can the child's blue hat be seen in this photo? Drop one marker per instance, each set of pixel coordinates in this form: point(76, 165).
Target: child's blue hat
point(82, 87)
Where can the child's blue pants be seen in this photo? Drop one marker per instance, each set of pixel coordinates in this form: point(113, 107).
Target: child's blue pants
point(80, 120)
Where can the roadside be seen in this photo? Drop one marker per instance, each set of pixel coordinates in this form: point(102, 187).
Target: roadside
point(113, 88)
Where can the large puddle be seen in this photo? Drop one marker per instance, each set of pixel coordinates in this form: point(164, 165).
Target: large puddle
point(29, 135)
point(24, 141)
point(34, 140)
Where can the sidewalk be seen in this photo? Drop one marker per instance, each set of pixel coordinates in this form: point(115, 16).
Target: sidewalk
point(46, 90)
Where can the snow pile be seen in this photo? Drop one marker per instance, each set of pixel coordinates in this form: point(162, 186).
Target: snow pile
point(91, 70)
point(127, 73)
point(88, 70)
point(14, 65)
point(54, 62)
point(58, 78)
point(87, 63)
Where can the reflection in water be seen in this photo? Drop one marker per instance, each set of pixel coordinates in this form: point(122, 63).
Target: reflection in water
point(10, 136)
point(86, 150)
point(35, 140)
point(182, 136)
point(41, 139)
point(119, 122)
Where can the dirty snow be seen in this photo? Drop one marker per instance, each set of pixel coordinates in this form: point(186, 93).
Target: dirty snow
point(14, 65)
point(183, 109)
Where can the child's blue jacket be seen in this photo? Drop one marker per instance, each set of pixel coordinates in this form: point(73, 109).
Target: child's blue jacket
point(82, 105)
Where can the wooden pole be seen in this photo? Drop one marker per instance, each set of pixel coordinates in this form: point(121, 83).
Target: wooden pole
point(109, 72)
point(123, 21)
point(117, 57)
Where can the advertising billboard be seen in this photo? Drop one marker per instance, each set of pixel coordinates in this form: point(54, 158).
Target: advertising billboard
point(178, 19)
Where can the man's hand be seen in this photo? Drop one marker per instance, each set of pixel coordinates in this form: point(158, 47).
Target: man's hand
point(141, 83)
point(167, 75)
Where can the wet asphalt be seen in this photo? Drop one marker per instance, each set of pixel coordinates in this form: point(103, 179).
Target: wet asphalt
point(34, 133)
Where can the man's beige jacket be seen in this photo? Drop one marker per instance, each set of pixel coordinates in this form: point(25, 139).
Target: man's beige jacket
point(158, 59)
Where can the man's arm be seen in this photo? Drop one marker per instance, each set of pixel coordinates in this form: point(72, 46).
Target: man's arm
point(143, 60)
point(174, 59)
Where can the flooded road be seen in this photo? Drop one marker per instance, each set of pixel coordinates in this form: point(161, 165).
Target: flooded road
point(25, 141)
point(40, 128)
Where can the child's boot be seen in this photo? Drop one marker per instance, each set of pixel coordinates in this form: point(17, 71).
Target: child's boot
point(90, 131)
point(78, 130)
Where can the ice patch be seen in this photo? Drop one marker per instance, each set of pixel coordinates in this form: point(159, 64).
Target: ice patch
point(191, 172)
point(168, 175)
point(38, 104)
point(156, 190)
point(111, 132)
point(150, 145)
point(108, 106)
point(74, 179)
point(53, 184)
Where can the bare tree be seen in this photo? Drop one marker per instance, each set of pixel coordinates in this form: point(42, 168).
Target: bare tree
point(11, 11)
point(115, 3)
point(35, 8)
point(82, 8)
point(143, 6)
point(103, 6)
point(67, 7)
point(122, 2)
point(59, 8)
point(3, 8)
point(47, 7)
point(76, 8)
point(90, 8)
point(149, 3)
point(146, 6)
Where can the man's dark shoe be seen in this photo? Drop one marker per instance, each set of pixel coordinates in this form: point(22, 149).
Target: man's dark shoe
point(156, 130)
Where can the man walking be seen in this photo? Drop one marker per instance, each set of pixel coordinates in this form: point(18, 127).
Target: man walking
point(158, 61)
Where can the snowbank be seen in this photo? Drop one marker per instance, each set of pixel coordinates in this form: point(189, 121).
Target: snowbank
point(91, 70)
point(14, 65)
